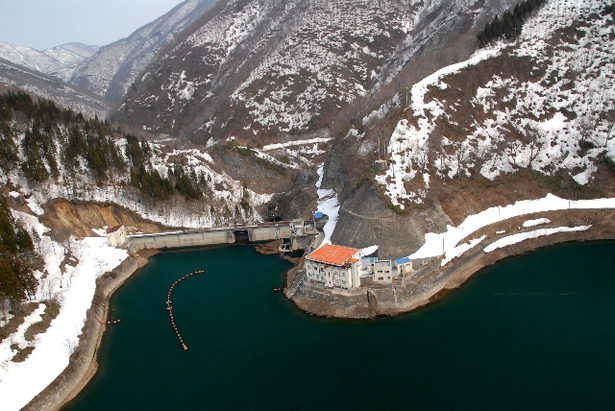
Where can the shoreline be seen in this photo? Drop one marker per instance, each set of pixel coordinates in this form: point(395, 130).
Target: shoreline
point(141, 258)
point(437, 281)
point(83, 364)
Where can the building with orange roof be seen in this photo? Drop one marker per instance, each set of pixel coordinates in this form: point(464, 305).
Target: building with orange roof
point(334, 266)
point(344, 268)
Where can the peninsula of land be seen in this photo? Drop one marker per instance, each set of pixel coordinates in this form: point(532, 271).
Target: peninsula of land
point(437, 276)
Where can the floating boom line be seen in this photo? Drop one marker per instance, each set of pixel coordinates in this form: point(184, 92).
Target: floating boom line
point(170, 308)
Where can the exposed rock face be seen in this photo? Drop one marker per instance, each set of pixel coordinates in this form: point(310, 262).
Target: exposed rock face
point(66, 218)
point(365, 220)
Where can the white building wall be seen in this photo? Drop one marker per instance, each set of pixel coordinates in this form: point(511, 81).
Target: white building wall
point(330, 276)
point(383, 271)
point(117, 238)
point(355, 273)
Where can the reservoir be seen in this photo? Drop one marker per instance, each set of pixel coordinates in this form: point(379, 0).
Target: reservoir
point(532, 332)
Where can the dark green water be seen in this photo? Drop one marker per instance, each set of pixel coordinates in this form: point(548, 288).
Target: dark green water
point(534, 332)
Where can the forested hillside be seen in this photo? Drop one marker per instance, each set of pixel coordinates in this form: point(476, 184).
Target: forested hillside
point(44, 141)
point(57, 153)
point(509, 26)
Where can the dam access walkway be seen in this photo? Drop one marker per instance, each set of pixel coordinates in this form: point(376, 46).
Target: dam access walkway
point(299, 233)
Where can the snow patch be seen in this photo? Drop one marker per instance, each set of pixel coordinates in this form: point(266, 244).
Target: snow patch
point(327, 204)
point(437, 244)
point(74, 289)
point(519, 237)
point(538, 221)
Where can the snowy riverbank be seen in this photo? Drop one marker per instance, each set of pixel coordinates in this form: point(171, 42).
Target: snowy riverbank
point(74, 290)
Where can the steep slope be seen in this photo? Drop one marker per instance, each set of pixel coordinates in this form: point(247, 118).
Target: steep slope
point(541, 105)
point(269, 69)
point(48, 61)
point(113, 69)
point(516, 121)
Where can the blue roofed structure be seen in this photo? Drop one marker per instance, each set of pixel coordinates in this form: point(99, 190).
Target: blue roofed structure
point(403, 265)
point(403, 260)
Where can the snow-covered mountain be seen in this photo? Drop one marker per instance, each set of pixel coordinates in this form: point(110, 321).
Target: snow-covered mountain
point(48, 61)
point(516, 121)
point(52, 88)
point(269, 67)
point(543, 103)
point(113, 69)
point(267, 87)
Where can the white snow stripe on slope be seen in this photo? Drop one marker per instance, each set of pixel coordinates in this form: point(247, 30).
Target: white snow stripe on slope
point(443, 243)
point(519, 237)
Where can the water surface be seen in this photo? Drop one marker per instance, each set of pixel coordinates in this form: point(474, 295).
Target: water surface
point(536, 332)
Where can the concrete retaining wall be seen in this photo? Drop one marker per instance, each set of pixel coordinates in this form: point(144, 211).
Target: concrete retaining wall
point(269, 233)
point(181, 239)
point(211, 237)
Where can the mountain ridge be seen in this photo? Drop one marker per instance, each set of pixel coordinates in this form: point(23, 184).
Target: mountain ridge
point(53, 88)
point(268, 67)
point(111, 71)
point(48, 61)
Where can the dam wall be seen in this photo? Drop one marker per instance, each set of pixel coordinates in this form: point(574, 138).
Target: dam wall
point(178, 239)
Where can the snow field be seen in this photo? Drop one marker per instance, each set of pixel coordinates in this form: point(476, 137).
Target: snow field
point(517, 238)
point(447, 244)
point(74, 290)
point(328, 204)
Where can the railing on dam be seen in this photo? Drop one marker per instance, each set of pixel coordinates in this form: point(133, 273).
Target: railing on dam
point(226, 235)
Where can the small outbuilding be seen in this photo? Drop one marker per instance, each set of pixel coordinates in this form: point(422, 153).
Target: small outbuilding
point(116, 236)
point(383, 271)
point(403, 265)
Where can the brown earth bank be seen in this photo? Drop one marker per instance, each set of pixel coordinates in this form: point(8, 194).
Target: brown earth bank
point(462, 197)
point(79, 218)
point(269, 248)
point(433, 283)
point(272, 248)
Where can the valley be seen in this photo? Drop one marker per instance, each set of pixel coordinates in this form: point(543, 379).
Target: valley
point(389, 116)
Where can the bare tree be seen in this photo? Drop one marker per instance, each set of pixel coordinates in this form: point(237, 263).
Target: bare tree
point(71, 345)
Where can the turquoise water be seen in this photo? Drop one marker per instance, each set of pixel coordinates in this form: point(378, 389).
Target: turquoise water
point(533, 332)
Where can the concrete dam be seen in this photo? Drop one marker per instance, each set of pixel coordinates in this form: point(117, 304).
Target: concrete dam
point(298, 233)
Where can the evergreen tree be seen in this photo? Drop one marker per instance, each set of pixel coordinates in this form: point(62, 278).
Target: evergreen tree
point(17, 258)
point(34, 167)
point(134, 151)
point(510, 25)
